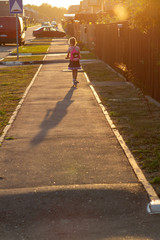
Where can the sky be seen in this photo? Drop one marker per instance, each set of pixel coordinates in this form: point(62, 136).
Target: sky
point(56, 3)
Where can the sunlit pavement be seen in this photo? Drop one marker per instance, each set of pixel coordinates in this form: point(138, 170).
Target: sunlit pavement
point(64, 174)
point(4, 51)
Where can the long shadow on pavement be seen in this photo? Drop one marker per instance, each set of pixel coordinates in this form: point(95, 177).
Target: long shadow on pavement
point(76, 214)
point(53, 117)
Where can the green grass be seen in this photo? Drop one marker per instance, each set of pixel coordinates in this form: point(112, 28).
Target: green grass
point(9, 138)
point(23, 58)
point(33, 49)
point(88, 56)
point(155, 180)
point(13, 82)
point(41, 41)
point(137, 120)
point(101, 72)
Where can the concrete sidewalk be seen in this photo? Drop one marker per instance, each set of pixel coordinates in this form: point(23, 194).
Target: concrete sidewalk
point(64, 174)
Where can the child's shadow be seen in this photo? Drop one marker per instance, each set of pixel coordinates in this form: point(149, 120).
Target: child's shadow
point(53, 117)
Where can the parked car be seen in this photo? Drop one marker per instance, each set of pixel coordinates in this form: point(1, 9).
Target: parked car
point(8, 30)
point(48, 32)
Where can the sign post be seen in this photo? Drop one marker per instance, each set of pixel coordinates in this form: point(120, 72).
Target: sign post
point(16, 6)
point(17, 35)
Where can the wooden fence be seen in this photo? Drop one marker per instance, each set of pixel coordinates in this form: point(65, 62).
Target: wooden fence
point(135, 54)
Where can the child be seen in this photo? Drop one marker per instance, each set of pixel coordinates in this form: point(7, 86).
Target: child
point(73, 54)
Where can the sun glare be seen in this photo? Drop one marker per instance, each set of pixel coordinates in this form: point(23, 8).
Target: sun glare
point(121, 12)
point(59, 3)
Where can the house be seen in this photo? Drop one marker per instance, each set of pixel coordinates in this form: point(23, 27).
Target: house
point(73, 9)
point(4, 8)
point(86, 11)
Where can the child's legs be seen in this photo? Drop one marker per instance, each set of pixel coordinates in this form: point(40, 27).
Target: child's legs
point(74, 73)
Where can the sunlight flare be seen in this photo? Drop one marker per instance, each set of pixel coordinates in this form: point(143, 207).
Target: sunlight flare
point(121, 12)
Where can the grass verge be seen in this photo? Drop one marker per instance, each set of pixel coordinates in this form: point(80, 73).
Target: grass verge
point(33, 49)
point(87, 55)
point(23, 59)
point(14, 81)
point(137, 123)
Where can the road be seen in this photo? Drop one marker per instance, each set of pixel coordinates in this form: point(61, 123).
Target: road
point(29, 36)
point(5, 50)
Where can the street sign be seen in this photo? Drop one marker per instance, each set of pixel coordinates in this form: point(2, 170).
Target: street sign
point(16, 6)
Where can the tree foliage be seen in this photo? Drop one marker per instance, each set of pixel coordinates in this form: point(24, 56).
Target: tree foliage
point(48, 12)
point(144, 14)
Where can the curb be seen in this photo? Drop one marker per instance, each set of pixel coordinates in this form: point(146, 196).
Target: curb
point(154, 206)
point(48, 53)
point(35, 54)
point(20, 63)
point(13, 63)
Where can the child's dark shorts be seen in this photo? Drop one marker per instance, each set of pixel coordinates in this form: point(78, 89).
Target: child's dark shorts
point(73, 65)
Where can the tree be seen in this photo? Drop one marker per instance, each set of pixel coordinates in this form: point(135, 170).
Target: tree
point(144, 14)
point(49, 12)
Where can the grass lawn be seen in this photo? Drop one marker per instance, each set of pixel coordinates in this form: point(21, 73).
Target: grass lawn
point(137, 119)
point(14, 81)
point(33, 49)
point(23, 58)
point(87, 55)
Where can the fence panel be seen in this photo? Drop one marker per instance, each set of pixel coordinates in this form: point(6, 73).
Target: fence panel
point(134, 54)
